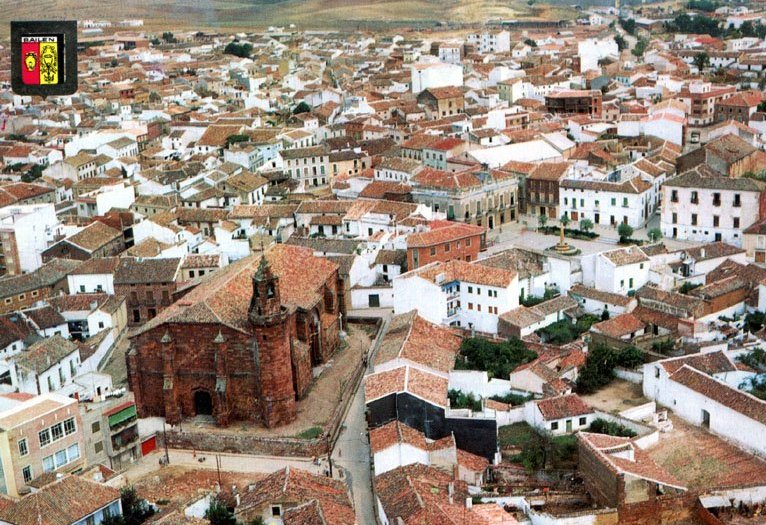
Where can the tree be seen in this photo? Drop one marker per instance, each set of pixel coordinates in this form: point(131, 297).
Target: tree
point(565, 220)
point(301, 108)
point(218, 513)
point(629, 25)
point(168, 37)
point(605, 314)
point(621, 42)
point(135, 510)
point(238, 50)
point(530, 42)
point(654, 234)
point(701, 60)
point(762, 105)
point(542, 220)
point(625, 230)
point(640, 47)
point(586, 225)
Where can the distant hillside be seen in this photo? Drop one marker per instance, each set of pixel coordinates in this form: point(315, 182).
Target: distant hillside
point(254, 14)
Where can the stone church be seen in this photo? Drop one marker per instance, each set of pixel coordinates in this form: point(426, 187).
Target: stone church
point(242, 344)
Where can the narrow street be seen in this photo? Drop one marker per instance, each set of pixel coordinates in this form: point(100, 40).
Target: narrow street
point(352, 449)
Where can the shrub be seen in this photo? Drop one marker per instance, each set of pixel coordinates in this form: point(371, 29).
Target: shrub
point(755, 359)
point(512, 399)
point(497, 359)
point(611, 428)
point(688, 287)
point(459, 399)
point(625, 230)
point(218, 513)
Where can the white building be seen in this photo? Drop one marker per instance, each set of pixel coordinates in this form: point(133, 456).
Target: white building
point(25, 232)
point(616, 271)
point(607, 203)
point(45, 367)
point(458, 293)
point(699, 389)
point(591, 50)
point(425, 75)
point(451, 53)
point(497, 41)
point(709, 208)
point(559, 415)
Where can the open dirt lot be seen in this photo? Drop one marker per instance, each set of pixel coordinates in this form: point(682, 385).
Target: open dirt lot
point(702, 460)
point(617, 396)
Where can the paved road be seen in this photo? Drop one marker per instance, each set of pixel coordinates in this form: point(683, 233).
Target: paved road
point(352, 450)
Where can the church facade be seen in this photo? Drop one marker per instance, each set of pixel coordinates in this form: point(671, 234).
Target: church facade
point(241, 346)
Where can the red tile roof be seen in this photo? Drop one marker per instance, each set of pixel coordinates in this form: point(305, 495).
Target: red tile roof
point(563, 406)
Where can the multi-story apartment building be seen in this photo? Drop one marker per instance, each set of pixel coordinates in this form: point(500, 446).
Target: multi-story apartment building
point(495, 41)
point(484, 198)
point(701, 99)
point(110, 428)
point(700, 206)
point(40, 434)
point(308, 166)
point(542, 188)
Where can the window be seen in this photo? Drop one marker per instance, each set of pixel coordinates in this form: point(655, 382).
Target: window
point(23, 447)
point(27, 473)
point(694, 219)
point(555, 425)
point(737, 201)
point(630, 283)
point(468, 242)
point(675, 218)
point(433, 250)
point(716, 199)
point(48, 465)
point(73, 452)
point(716, 221)
point(69, 426)
point(470, 306)
point(735, 221)
point(583, 420)
point(446, 248)
point(276, 511)
point(60, 458)
point(82, 288)
point(674, 196)
point(614, 201)
point(470, 289)
point(45, 437)
point(98, 447)
point(57, 431)
point(695, 198)
point(95, 427)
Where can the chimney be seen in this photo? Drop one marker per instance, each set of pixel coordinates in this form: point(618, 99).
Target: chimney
point(702, 252)
point(469, 503)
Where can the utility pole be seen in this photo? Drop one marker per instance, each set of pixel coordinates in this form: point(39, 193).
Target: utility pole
point(165, 440)
point(329, 452)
